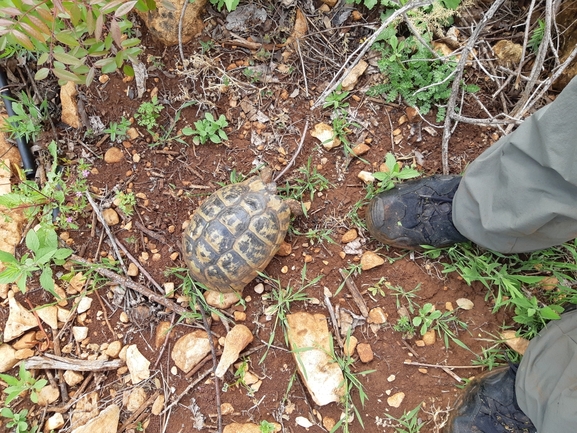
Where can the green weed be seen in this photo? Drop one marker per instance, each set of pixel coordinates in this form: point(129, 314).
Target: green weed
point(378, 287)
point(118, 130)
point(27, 119)
point(230, 4)
point(409, 422)
point(45, 252)
point(412, 73)
point(337, 99)
point(60, 200)
point(537, 36)
point(516, 280)
point(21, 384)
point(281, 300)
point(125, 202)
point(207, 129)
point(401, 294)
point(351, 383)
point(266, 427)
point(394, 173)
point(148, 113)
point(316, 236)
point(17, 420)
point(309, 181)
point(385, 181)
point(404, 326)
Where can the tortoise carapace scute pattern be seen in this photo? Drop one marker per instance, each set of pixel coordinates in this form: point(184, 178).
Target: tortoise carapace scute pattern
point(234, 234)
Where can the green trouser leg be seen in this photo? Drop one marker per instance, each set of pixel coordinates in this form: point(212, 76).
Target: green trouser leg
point(520, 195)
point(546, 383)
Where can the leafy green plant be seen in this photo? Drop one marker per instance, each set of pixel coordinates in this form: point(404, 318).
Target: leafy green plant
point(351, 383)
point(533, 314)
point(316, 236)
point(231, 5)
point(266, 427)
point(61, 198)
point(148, 112)
point(537, 36)
point(512, 279)
point(281, 299)
point(407, 295)
point(71, 39)
point(23, 383)
point(404, 326)
point(337, 99)
point(207, 129)
point(412, 73)
point(394, 172)
point(118, 130)
point(27, 119)
point(377, 288)
point(409, 422)
point(44, 252)
point(428, 317)
point(125, 202)
point(309, 181)
point(18, 420)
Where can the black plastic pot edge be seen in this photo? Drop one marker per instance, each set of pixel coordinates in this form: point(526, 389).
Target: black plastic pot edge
point(28, 160)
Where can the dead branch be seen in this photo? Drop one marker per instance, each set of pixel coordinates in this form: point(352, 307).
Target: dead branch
point(53, 362)
point(127, 282)
point(457, 82)
point(355, 293)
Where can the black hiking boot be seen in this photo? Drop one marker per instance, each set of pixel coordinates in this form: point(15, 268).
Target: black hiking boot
point(489, 405)
point(415, 213)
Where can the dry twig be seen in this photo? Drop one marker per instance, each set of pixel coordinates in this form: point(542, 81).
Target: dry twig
point(457, 82)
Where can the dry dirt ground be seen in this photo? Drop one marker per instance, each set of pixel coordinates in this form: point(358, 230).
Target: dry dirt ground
point(171, 179)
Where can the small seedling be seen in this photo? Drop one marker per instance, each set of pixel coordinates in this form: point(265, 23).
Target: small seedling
point(148, 114)
point(18, 420)
point(404, 326)
point(27, 119)
point(393, 173)
point(409, 422)
point(408, 296)
point(377, 289)
point(125, 202)
point(337, 99)
point(208, 129)
point(281, 300)
point(316, 236)
point(266, 427)
point(309, 181)
point(118, 130)
point(351, 383)
point(45, 252)
point(23, 383)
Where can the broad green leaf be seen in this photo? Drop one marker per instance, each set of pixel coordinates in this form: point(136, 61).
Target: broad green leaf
point(67, 59)
point(62, 253)
point(32, 240)
point(22, 39)
point(10, 275)
point(67, 38)
point(41, 74)
point(549, 314)
point(46, 280)
point(67, 75)
point(6, 257)
point(124, 9)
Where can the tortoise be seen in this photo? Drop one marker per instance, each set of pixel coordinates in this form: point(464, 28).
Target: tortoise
point(235, 233)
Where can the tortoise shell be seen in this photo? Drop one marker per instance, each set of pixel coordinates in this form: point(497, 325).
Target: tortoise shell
point(235, 233)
